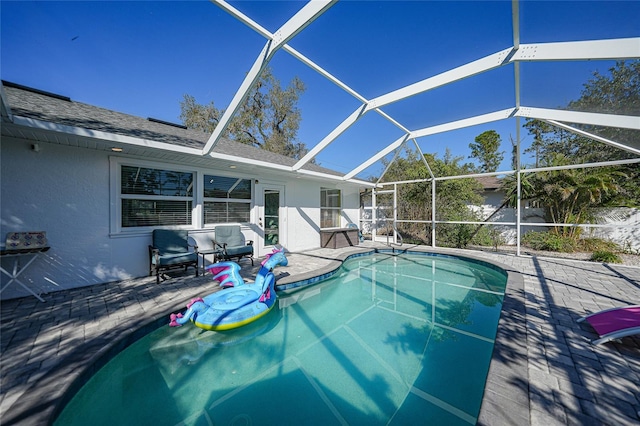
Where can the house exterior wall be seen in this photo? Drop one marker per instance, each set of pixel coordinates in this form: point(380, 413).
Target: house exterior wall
point(304, 214)
point(351, 205)
point(491, 201)
point(303, 218)
point(67, 192)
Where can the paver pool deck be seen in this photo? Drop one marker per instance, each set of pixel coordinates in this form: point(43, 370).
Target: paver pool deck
point(544, 371)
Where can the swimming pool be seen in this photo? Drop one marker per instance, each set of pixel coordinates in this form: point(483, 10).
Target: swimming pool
point(387, 340)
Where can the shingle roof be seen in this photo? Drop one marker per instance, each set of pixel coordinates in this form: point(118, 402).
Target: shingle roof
point(49, 107)
point(489, 183)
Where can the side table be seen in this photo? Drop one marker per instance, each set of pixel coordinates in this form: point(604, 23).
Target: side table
point(214, 252)
point(16, 254)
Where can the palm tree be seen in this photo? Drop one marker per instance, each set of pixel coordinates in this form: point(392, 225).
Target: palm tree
point(569, 195)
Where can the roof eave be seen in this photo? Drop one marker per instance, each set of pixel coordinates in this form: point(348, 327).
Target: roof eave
point(5, 109)
point(103, 136)
point(116, 139)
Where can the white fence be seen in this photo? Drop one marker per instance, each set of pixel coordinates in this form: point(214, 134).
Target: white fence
point(620, 225)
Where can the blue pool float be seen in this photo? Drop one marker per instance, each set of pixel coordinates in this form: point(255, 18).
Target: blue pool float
point(234, 306)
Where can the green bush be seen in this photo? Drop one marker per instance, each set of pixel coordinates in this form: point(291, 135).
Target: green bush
point(488, 236)
point(598, 244)
point(605, 256)
point(482, 237)
point(548, 241)
point(458, 235)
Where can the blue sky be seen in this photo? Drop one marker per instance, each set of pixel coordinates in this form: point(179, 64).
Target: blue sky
point(142, 57)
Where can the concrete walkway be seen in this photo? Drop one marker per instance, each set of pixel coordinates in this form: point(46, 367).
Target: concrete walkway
point(543, 372)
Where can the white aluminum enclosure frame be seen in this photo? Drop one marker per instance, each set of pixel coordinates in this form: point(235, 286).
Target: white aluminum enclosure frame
point(380, 189)
point(613, 49)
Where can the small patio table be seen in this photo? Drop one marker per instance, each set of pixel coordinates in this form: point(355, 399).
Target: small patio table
point(17, 254)
point(214, 251)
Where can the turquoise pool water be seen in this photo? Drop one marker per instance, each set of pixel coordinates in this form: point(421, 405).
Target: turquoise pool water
point(388, 340)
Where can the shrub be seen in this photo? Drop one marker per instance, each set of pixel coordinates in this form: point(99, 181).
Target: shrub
point(548, 241)
point(627, 248)
point(605, 256)
point(496, 238)
point(488, 236)
point(482, 237)
point(598, 244)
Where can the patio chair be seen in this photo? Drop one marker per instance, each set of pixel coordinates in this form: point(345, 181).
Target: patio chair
point(354, 226)
point(170, 250)
point(230, 240)
point(614, 323)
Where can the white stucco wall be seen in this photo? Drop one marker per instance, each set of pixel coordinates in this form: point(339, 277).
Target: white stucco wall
point(66, 195)
point(625, 230)
point(65, 191)
point(303, 211)
point(303, 216)
point(350, 205)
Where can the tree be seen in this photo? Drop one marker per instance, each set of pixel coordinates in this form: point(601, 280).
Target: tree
point(539, 129)
point(414, 200)
point(572, 195)
point(514, 154)
point(485, 149)
point(453, 197)
point(269, 118)
point(199, 117)
point(617, 92)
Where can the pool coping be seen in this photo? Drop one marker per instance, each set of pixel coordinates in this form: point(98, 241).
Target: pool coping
point(505, 399)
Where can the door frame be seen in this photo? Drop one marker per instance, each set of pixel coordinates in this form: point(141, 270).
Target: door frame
point(261, 248)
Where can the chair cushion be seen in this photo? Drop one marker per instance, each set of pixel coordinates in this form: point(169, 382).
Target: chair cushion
point(239, 251)
point(230, 234)
point(175, 259)
point(26, 240)
point(204, 241)
point(170, 241)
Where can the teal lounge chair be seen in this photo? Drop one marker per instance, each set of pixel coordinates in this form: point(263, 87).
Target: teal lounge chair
point(231, 243)
point(170, 250)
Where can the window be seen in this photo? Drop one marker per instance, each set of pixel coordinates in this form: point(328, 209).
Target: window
point(148, 194)
point(155, 197)
point(330, 203)
point(226, 199)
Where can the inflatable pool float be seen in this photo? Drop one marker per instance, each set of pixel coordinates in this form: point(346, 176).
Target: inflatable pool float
point(235, 306)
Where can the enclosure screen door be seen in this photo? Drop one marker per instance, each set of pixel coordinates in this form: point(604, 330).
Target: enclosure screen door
point(271, 217)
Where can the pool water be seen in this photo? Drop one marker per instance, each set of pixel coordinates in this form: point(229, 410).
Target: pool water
point(388, 340)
